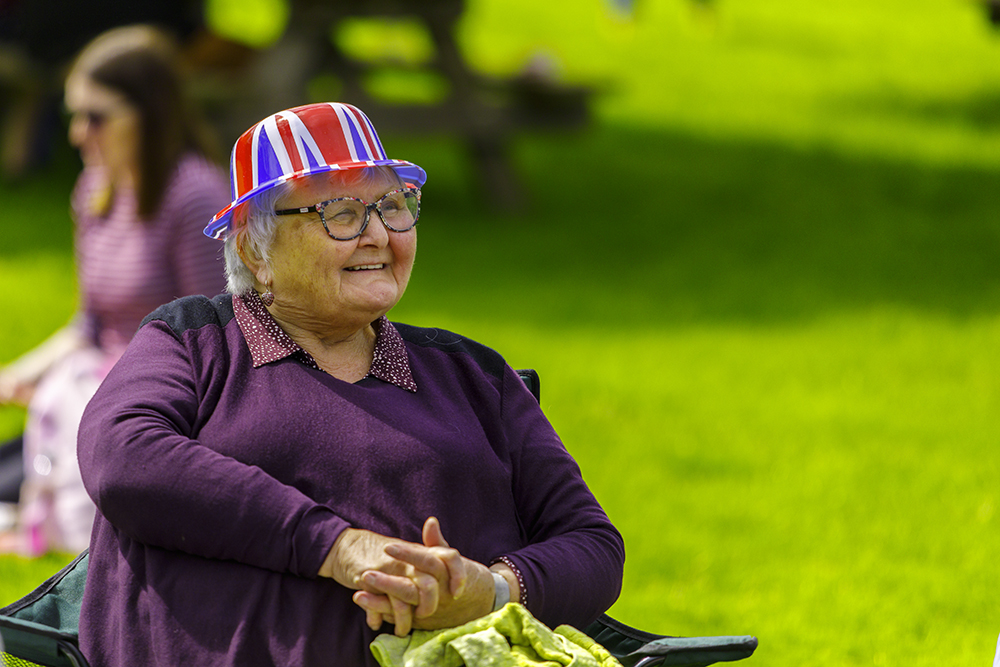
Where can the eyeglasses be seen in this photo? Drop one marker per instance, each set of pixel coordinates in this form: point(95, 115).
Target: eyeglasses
point(346, 218)
point(93, 119)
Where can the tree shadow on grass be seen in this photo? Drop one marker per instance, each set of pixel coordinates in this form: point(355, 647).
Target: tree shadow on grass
point(629, 227)
point(636, 226)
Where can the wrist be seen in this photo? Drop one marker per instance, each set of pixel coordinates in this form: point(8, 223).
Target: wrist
point(333, 566)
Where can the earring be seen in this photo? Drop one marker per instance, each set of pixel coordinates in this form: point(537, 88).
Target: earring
point(268, 296)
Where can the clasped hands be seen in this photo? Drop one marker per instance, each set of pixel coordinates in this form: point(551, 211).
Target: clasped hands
point(424, 586)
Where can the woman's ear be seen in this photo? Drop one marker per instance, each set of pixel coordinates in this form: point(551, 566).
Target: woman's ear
point(247, 251)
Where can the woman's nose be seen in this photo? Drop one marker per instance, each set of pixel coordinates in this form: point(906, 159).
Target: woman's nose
point(82, 128)
point(78, 129)
point(375, 233)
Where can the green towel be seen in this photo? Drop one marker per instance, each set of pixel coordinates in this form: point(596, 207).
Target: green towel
point(510, 637)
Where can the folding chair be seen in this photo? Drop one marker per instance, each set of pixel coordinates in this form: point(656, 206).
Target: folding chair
point(42, 628)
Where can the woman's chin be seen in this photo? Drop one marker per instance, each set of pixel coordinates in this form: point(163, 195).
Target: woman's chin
point(376, 301)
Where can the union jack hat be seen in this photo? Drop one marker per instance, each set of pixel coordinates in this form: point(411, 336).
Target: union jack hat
point(297, 142)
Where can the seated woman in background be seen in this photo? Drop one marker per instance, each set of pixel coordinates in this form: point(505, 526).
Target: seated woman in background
point(140, 203)
point(280, 470)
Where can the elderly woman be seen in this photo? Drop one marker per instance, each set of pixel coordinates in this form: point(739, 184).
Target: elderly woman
point(280, 470)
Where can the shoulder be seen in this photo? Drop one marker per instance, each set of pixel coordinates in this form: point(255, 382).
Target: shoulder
point(195, 169)
point(195, 177)
point(193, 312)
point(450, 343)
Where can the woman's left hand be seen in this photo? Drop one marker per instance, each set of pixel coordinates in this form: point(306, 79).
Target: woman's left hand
point(464, 588)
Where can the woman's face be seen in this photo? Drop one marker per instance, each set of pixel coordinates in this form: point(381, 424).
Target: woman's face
point(321, 284)
point(104, 127)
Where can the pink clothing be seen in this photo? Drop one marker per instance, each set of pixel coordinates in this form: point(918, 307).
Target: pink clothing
point(127, 268)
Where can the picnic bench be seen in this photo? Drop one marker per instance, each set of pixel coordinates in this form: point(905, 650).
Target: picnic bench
point(484, 112)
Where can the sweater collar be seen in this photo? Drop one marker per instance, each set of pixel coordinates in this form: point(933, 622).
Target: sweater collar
point(268, 342)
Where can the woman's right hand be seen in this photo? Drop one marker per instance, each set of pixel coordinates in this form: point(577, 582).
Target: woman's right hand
point(15, 389)
point(420, 578)
point(457, 601)
point(357, 552)
point(19, 378)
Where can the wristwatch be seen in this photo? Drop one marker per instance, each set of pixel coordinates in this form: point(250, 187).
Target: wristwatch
point(502, 594)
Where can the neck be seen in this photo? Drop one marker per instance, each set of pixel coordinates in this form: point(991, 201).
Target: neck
point(345, 356)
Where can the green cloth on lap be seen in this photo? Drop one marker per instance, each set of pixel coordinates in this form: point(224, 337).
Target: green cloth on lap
point(510, 637)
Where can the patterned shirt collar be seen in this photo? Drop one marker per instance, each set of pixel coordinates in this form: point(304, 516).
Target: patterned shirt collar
point(268, 342)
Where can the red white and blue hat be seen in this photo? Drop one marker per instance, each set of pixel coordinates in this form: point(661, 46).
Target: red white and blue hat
point(298, 142)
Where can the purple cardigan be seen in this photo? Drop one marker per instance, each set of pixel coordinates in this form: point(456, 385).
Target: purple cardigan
point(221, 488)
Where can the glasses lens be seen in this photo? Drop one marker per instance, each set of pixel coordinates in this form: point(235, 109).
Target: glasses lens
point(400, 209)
point(344, 217)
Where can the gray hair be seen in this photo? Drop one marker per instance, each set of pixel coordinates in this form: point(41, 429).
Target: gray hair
point(261, 224)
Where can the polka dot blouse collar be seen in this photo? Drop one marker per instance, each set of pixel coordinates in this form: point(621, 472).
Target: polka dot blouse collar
point(268, 342)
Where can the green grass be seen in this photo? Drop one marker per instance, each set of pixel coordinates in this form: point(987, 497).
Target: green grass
point(763, 297)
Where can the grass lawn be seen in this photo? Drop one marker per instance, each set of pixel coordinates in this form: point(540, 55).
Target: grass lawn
point(762, 295)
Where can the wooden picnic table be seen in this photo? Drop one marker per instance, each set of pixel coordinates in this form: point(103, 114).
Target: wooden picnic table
point(485, 112)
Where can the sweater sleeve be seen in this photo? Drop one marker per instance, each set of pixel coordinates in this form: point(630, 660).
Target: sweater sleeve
point(160, 486)
point(574, 559)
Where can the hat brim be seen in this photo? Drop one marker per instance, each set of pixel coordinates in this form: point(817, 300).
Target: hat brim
point(408, 172)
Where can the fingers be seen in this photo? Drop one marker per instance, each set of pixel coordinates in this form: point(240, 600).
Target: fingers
point(429, 598)
point(376, 603)
point(374, 608)
point(446, 565)
point(421, 558)
point(378, 608)
point(415, 582)
point(439, 560)
point(434, 537)
point(419, 590)
point(456, 567)
point(402, 588)
point(402, 616)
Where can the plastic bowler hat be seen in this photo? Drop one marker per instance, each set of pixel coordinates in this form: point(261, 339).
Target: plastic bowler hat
point(298, 142)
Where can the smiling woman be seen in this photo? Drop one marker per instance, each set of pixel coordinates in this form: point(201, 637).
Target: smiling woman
point(325, 292)
point(306, 456)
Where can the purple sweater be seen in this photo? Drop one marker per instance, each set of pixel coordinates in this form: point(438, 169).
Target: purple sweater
point(221, 488)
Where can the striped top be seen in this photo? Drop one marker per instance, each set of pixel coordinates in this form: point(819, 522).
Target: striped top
point(127, 267)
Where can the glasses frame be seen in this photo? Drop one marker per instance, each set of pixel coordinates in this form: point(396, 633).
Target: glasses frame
point(374, 206)
point(91, 118)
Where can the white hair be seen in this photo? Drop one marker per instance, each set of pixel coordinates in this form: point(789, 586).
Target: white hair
point(261, 224)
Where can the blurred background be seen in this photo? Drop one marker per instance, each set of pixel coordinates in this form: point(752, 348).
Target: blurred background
point(750, 247)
